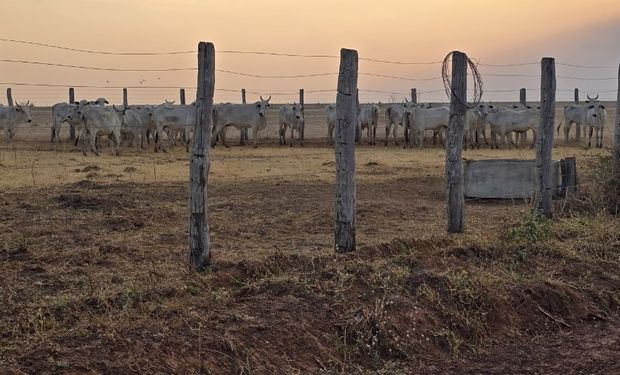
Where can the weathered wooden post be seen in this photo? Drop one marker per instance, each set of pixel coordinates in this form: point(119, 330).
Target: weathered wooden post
point(523, 101)
point(125, 98)
point(182, 96)
point(544, 138)
point(568, 169)
point(199, 244)
point(303, 126)
point(454, 144)
point(357, 129)
point(576, 96)
point(617, 127)
point(577, 126)
point(71, 126)
point(243, 133)
point(407, 124)
point(346, 109)
point(9, 97)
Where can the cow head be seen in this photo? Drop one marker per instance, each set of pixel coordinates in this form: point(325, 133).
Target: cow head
point(298, 111)
point(24, 109)
point(262, 106)
point(100, 102)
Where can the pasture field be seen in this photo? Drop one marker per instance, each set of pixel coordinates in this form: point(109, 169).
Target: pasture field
point(95, 279)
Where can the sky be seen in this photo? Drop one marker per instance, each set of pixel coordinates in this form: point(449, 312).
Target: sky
point(488, 31)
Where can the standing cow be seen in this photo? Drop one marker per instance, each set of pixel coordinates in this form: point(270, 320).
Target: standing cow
point(173, 119)
point(12, 116)
point(395, 116)
point(368, 118)
point(595, 120)
point(578, 114)
point(98, 121)
point(332, 121)
point(423, 119)
point(240, 116)
point(291, 117)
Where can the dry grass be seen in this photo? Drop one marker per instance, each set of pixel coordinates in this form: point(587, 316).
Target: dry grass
point(94, 275)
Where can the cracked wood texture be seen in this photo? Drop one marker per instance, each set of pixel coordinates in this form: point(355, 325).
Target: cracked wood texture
point(346, 109)
point(544, 138)
point(199, 163)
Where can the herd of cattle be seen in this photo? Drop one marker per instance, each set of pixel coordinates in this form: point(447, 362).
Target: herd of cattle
point(140, 125)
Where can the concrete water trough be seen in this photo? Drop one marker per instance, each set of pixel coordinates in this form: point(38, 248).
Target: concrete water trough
point(514, 178)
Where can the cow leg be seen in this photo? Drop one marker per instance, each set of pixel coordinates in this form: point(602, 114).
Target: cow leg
point(590, 137)
point(255, 134)
point(282, 134)
point(117, 143)
point(388, 127)
point(567, 126)
point(395, 134)
point(330, 133)
point(599, 136)
point(292, 136)
point(222, 134)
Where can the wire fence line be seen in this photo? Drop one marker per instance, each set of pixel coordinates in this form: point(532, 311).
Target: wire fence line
point(404, 92)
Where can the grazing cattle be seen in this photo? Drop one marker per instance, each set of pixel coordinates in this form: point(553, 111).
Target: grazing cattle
point(577, 114)
point(173, 119)
point(368, 118)
point(395, 116)
point(12, 116)
point(240, 116)
point(290, 117)
point(422, 119)
point(98, 121)
point(504, 121)
point(332, 121)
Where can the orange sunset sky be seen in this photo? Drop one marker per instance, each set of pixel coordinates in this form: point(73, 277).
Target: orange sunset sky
point(492, 31)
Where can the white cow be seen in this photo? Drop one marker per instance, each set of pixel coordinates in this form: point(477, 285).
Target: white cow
point(368, 118)
point(172, 119)
point(423, 119)
point(475, 121)
point(137, 121)
point(98, 121)
point(60, 114)
point(290, 117)
point(577, 114)
point(240, 116)
point(395, 116)
point(504, 121)
point(595, 120)
point(12, 116)
point(332, 121)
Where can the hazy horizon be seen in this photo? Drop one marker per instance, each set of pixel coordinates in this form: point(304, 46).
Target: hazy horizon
point(509, 32)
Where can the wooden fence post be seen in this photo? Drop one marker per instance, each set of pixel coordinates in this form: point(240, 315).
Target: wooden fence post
point(9, 97)
point(182, 96)
point(577, 126)
point(303, 125)
point(346, 109)
point(243, 133)
point(568, 169)
point(358, 136)
point(454, 144)
point(407, 124)
point(617, 127)
point(199, 163)
point(544, 138)
point(71, 126)
point(523, 101)
point(125, 98)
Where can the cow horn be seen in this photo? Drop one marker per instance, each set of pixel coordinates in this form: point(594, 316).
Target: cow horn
point(269, 98)
point(114, 106)
point(589, 98)
point(27, 103)
point(595, 99)
point(261, 98)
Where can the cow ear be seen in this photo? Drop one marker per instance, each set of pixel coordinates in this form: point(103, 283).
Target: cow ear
point(602, 107)
point(590, 107)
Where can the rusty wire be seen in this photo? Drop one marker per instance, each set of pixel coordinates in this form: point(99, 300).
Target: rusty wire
point(447, 82)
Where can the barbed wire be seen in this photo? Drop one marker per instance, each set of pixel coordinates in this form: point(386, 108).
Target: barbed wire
point(477, 91)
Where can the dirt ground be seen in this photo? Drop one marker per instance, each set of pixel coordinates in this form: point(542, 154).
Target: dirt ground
point(95, 280)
